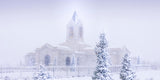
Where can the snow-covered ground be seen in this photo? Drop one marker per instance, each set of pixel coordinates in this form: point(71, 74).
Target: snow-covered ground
point(148, 75)
point(76, 78)
point(140, 75)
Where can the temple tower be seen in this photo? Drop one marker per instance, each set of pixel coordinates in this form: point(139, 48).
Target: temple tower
point(74, 30)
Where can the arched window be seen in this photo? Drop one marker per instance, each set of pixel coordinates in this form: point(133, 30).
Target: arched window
point(68, 61)
point(78, 61)
point(81, 32)
point(32, 61)
point(54, 62)
point(47, 60)
point(71, 32)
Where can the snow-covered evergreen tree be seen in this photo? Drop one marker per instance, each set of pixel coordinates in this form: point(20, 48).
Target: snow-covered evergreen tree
point(126, 73)
point(103, 60)
point(42, 74)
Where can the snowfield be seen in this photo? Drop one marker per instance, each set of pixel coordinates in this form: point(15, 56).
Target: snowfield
point(76, 78)
point(140, 75)
point(148, 75)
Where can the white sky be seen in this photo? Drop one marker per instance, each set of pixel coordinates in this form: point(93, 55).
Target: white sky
point(28, 24)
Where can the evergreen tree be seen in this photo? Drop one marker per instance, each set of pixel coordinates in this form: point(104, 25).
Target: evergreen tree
point(42, 74)
point(103, 61)
point(126, 73)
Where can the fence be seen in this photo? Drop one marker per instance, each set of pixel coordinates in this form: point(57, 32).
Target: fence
point(58, 71)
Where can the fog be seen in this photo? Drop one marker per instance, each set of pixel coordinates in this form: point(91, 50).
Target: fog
point(28, 24)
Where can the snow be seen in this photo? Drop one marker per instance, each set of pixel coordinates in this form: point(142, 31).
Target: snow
point(126, 73)
point(102, 71)
point(76, 78)
point(42, 74)
point(140, 75)
point(63, 47)
point(146, 75)
point(143, 75)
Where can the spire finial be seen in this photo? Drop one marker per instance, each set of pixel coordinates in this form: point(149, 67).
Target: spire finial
point(74, 17)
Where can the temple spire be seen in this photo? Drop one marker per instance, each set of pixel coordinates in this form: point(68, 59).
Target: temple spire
point(74, 29)
point(75, 17)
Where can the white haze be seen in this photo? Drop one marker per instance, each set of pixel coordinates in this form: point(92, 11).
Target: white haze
point(28, 24)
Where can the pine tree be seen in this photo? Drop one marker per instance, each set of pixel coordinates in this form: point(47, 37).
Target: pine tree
point(103, 61)
point(42, 74)
point(126, 73)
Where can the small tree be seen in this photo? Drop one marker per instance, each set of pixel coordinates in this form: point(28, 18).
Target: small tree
point(103, 61)
point(126, 72)
point(42, 74)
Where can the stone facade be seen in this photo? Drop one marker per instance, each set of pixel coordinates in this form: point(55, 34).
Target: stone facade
point(73, 52)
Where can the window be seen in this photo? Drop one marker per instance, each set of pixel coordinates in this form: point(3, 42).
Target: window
point(71, 32)
point(55, 62)
point(68, 61)
point(78, 61)
point(33, 61)
point(81, 32)
point(47, 60)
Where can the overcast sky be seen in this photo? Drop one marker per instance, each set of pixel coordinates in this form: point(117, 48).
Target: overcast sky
point(28, 24)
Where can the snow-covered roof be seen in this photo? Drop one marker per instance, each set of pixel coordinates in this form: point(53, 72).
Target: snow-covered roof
point(63, 47)
point(79, 52)
point(55, 46)
point(47, 46)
